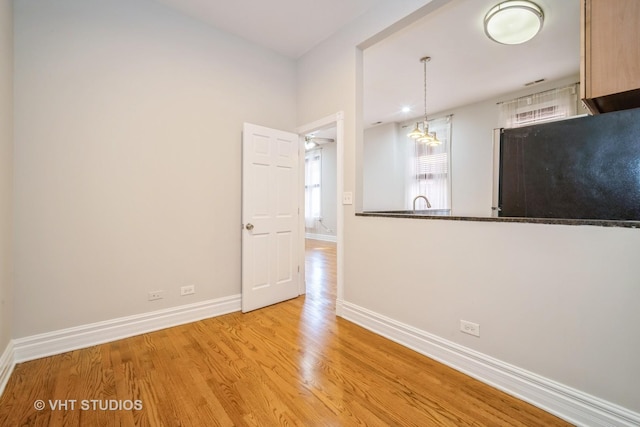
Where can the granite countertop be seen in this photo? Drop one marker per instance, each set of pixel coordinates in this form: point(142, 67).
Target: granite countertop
point(444, 214)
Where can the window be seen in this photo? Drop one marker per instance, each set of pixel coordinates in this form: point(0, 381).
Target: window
point(547, 106)
point(429, 169)
point(312, 187)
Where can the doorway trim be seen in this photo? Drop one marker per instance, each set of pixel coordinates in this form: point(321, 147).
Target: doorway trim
point(336, 120)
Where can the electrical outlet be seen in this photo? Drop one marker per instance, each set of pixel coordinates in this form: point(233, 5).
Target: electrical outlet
point(347, 198)
point(188, 290)
point(470, 328)
point(154, 295)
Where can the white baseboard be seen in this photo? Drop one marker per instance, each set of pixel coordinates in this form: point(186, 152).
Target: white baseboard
point(565, 402)
point(324, 237)
point(56, 342)
point(7, 363)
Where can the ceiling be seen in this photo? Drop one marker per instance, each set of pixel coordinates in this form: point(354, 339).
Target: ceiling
point(466, 65)
point(290, 27)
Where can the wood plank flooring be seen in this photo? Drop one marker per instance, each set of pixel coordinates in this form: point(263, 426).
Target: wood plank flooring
point(291, 364)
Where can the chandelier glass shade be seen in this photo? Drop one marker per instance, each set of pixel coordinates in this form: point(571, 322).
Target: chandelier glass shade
point(513, 21)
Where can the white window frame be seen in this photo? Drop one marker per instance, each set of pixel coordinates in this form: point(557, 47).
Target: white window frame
point(563, 101)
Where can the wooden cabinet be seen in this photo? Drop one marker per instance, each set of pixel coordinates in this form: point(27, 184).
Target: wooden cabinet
point(610, 59)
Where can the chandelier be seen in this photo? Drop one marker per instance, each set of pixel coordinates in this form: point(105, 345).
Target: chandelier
point(421, 132)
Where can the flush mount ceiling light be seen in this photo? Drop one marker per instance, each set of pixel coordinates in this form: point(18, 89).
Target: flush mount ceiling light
point(421, 133)
point(513, 21)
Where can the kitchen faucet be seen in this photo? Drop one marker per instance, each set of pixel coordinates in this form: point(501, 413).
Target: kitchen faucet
point(421, 197)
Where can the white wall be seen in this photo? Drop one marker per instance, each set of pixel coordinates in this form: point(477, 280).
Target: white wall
point(6, 170)
point(128, 121)
point(384, 163)
point(559, 301)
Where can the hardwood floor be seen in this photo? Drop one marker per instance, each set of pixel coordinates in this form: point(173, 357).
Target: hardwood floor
point(291, 364)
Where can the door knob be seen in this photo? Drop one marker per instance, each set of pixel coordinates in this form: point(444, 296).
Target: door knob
point(249, 226)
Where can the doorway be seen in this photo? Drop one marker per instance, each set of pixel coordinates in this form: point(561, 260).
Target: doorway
point(320, 199)
point(322, 217)
point(320, 212)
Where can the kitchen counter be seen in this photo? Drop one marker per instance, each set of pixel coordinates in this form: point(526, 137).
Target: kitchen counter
point(445, 214)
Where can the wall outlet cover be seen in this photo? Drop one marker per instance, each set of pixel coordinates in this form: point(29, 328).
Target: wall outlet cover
point(470, 328)
point(188, 290)
point(347, 198)
point(154, 295)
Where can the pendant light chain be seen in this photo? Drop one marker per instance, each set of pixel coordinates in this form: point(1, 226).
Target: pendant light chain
point(424, 63)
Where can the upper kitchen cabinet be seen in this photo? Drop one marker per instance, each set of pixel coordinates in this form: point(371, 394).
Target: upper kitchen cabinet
point(610, 60)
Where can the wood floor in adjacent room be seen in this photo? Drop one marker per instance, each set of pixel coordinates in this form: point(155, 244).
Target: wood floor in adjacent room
point(291, 364)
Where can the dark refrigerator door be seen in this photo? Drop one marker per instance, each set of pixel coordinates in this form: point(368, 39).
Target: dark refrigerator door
point(583, 168)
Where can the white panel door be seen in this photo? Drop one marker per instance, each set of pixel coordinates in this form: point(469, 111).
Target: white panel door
point(269, 216)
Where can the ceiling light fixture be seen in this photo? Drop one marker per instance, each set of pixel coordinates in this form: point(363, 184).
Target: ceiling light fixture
point(309, 143)
point(513, 21)
point(422, 134)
